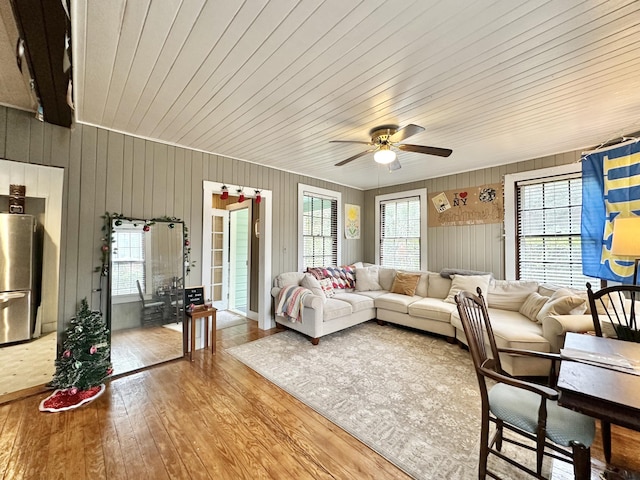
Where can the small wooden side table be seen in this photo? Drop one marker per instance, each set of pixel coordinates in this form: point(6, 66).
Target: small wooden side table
point(204, 314)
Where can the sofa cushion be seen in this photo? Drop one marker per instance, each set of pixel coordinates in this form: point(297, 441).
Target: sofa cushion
point(432, 308)
point(358, 302)
point(288, 278)
point(405, 283)
point(532, 305)
point(373, 294)
point(512, 330)
point(395, 302)
point(509, 294)
point(438, 286)
point(367, 279)
point(313, 284)
point(467, 282)
point(385, 277)
point(336, 309)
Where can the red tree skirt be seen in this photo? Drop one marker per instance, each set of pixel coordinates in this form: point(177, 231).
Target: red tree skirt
point(61, 400)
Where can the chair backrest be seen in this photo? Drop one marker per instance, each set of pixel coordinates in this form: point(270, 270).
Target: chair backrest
point(140, 292)
point(617, 305)
point(477, 329)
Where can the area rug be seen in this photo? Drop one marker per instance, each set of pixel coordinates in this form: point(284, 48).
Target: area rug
point(411, 397)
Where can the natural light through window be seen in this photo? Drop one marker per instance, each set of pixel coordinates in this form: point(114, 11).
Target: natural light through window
point(319, 216)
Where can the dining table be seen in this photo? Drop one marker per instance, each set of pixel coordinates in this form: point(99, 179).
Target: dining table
point(595, 378)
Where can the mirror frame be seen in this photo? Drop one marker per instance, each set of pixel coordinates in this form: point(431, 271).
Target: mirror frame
point(105, 250)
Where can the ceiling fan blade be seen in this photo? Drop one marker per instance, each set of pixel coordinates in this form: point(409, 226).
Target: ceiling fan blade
point(395, 165)
point(350, 159)
point(351, 141)
point(405, 132)
point(440, 152)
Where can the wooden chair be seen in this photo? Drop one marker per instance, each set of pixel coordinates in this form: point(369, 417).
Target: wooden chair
point(151, 312)
point(614, 308)
point(522, 407)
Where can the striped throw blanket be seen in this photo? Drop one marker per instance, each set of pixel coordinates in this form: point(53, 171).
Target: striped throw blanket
point(290, 301)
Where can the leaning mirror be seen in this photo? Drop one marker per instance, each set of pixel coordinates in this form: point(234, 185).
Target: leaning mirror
point(146, 281)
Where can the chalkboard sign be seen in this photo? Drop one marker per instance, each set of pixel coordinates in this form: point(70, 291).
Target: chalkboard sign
point(194, 295)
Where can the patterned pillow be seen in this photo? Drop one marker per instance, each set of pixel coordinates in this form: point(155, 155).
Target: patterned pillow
point(317, 272)
point(327, 287)
point(341, 277)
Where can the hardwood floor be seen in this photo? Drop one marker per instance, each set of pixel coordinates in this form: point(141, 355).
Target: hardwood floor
point(210, 419)
point(136, 348)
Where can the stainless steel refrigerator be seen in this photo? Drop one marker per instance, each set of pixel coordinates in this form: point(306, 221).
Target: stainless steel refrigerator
point(17, 277)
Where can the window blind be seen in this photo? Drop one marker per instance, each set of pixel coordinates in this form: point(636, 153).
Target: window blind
point(400, 233)
point(549, 244)
point(319, 230)
point(127, 263)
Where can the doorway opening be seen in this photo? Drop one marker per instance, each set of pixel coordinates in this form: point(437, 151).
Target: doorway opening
point(236, 256)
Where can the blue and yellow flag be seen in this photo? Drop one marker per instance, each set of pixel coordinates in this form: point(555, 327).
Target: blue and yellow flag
point(610, 187)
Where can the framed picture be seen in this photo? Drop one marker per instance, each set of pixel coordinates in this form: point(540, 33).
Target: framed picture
point(351, 221)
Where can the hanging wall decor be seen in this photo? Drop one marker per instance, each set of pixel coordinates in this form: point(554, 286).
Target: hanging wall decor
point(351, 221)
point(467, 206)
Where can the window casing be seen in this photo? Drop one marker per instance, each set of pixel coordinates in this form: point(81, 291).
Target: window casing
point(542, 226)
point(318, 225)
point(401, 230)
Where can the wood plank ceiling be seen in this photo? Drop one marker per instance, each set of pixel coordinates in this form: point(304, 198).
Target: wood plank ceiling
point(272, 82)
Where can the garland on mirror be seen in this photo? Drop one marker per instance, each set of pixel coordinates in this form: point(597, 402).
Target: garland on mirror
point(118, 218)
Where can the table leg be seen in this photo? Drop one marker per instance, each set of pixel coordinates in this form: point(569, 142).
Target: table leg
point(213, 332)
point(193, 337)
point(185, 335)
point(205, 321)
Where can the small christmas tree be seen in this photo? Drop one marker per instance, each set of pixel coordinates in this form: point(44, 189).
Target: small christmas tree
point(84, 363)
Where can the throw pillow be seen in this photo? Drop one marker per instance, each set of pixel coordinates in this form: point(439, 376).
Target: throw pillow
point(438, 286)
point(349, 274)
point(385, 277)
point(405, 283)
point(532, 306)
point(422, 290)
point(467, 282)
point(570, 305)
point(313, 284)
point(317, 272)
point(327, 287)
point(367, 279)
point(509, 294)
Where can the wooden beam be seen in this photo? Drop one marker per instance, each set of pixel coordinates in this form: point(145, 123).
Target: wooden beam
point(42, 25)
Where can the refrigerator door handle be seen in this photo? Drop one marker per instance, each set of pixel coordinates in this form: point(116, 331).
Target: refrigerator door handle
point(6, 296)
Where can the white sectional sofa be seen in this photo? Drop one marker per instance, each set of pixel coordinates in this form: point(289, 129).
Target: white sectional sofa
point(431, 308)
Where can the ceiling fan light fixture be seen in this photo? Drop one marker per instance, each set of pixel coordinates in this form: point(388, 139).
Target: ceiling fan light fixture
point(385, 155)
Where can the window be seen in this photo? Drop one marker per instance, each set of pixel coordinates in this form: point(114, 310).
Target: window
point(127, 262)
point(546, 243)
point(401, 230)
point(318, 220)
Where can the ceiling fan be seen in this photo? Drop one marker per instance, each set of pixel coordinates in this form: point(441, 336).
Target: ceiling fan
point(386, 138)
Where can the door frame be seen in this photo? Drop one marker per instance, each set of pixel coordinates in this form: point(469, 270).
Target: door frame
point(265, 321)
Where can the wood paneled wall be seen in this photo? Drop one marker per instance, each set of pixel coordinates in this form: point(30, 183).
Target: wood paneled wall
point(475, 247)
point(108, 171)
